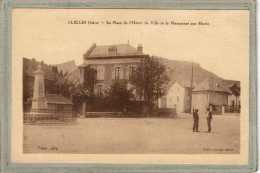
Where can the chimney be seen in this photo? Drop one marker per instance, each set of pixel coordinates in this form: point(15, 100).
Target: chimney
point(140, 49)
point(112, 51)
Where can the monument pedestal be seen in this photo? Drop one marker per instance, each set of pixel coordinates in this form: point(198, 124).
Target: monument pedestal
point(39, 100)
point(40, 103)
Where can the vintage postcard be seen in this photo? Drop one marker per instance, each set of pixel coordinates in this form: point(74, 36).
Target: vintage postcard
point(135, 86)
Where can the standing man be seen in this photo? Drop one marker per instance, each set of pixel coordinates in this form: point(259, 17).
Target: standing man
point(209, 117)
point(196, 120)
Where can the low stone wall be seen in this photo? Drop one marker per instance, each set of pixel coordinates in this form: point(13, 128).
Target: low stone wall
point(103, 114)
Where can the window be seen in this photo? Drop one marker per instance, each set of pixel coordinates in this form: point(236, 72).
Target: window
point(131, 72)
point(117, 72)
point(100, 72)
point(99, 92)
point(170, 99)
point(177, 98)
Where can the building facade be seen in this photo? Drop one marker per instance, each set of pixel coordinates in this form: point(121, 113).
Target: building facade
point(215, 93)
point(177, 96)
point(111, 62)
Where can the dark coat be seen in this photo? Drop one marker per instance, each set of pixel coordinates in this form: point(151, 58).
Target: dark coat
point(195, 116)
point(210, 115)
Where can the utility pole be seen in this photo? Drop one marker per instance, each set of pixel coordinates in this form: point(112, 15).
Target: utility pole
point(191, 85)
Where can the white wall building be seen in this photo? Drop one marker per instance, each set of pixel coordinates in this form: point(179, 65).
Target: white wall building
point(178, 97)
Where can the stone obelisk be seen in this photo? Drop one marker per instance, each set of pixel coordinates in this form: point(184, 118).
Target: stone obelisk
point(39, 100)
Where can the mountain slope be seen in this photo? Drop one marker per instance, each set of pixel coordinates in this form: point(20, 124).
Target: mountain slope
point(69, 66)
point(182, 70)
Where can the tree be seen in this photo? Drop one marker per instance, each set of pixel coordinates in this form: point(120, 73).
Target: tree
point(66, 73)
point(63, 87)
point(79, 93)
point(61, 73)
point(75, 91)
point(90, 79)
point(118, 95)
point(150, 79)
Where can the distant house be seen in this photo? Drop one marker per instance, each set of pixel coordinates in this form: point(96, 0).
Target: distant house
point(177, 96)
point(215, 93)
point(212, 93)
point(234, 93)
point(58, 102)
point(233, 96)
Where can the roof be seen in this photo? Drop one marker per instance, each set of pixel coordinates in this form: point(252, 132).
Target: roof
point(212, 84)
point(184, 84)
point(230, 83)
point(58, 99)
point(169, 85)
point(103, 50)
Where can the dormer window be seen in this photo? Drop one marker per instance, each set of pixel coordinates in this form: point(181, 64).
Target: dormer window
point(112, 51)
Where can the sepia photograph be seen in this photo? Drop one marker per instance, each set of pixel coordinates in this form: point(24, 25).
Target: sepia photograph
point(128, 87)
point(169, 82)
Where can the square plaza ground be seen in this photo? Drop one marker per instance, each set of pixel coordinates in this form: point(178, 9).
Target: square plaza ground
point(137, 136)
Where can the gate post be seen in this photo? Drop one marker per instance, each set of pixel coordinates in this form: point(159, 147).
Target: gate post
point(84, 109)
point(223, 109)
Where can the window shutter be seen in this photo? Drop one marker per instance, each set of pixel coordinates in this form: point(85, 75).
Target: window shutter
point(121, 73)
point(112, 73)
point(100, 72)
point(127, 73)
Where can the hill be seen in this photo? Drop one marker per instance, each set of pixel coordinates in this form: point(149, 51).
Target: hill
point(69, 66)
point(182, 70)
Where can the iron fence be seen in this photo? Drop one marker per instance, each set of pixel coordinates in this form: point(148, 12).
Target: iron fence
point(33, 115)
point(232, 109)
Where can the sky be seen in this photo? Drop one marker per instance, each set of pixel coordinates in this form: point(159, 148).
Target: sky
point(221, 47)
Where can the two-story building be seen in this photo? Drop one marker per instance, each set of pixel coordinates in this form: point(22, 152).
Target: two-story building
point(111, 62)
point(178, 96)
